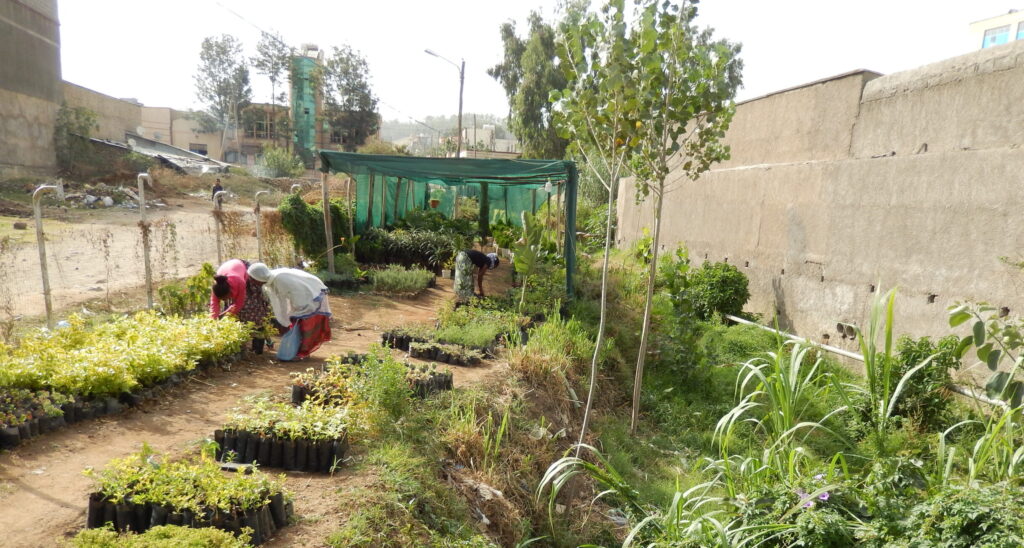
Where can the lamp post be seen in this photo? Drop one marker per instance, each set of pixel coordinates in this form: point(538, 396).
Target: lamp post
point(462, 80)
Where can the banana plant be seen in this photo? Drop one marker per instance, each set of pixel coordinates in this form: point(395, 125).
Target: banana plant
point(528, 251)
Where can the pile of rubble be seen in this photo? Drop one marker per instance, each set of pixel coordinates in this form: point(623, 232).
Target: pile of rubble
point(103, 195)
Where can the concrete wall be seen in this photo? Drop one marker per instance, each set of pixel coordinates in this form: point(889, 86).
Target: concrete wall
point(114, 117)
point(815, 228)
point(30, 85)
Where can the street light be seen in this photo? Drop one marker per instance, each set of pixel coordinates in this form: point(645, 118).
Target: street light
point(462, 79)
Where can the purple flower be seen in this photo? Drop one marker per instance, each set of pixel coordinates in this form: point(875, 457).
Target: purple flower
point(809, 504)
point(819, 477)
point(823, 496)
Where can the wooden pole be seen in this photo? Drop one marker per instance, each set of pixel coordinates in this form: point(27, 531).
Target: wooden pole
point(328, 234)
point(41, 243)
point(142, 179)
point(398, 193)
point(351, 218)
point(369, 203)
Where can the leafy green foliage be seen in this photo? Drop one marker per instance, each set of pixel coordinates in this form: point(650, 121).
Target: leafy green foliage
point(528, 73)
point(119, 356)
point(279, 162)
point(312, 420)
point(717, 288)
point(380, 387)
point(222, 80)
point(191, 298)
point(397, 280)
point(430, 250)
point(350, 106)
point(996, 338)
point(71, 134)
point(19, 405)
point(194, 483)
point(305, 223)
point(162, 536)
point(926, 400)
point(475, 326)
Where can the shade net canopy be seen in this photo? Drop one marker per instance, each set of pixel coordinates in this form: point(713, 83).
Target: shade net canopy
point(387, 187)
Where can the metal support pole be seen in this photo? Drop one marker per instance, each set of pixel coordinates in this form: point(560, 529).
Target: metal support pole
point(142, 179)
point(295, 249)
point(259, 229)
point(328, 234)
point(41, 244)
point(216, 222)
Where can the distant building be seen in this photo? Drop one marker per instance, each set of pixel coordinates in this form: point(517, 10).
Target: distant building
point(999, 30)
point(30, 85)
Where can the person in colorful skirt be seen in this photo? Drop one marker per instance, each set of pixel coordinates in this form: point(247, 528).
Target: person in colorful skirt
point(299, 302)
point(465, 263)
point(232, 283)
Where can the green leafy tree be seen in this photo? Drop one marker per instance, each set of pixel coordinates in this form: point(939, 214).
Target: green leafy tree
point(529, 72)
point(685, 84)
point(592, 111)
point(350, 105)
point(273, 60)
point(279, 162)
point(71, 136)
point(222, 81)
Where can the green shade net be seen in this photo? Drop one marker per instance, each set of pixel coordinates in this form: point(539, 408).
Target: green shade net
point(387, 187)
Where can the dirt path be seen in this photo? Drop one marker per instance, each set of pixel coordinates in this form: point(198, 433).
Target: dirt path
point(43, 491)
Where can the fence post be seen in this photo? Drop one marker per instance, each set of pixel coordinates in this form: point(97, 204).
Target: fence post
point(142, 179)
point(295, 249)
point(41, 244)
point(328, 233)
point(259, 230)
point(216, 222)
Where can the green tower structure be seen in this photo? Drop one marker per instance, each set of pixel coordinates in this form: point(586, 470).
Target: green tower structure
point(304, 104)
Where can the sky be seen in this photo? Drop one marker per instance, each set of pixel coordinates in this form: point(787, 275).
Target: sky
point(149, 49)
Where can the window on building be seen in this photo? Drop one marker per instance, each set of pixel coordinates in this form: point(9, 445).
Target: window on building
point(1020, 30)
point(259, 130)
point(337, 137)
point(996, 36)
point(198, 148)
point(305, 111)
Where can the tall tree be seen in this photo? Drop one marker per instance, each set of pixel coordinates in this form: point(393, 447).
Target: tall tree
point(528, 72)
point(222, 80)
point(686, 81)
point(273, 59)
point(593, 112)
point(350, 105)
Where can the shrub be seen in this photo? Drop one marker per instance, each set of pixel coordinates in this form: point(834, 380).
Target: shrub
point(430, 250)
point(926, 400)
point(278, 162)
point(380, 387)
point(396, 279)
point(717, 288)
point(189, 298)
point(305, 223)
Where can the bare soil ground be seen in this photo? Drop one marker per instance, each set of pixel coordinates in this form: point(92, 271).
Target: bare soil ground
point(43, 491)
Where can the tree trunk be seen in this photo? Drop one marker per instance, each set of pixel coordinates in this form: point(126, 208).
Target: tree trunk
point(351, 218)
point(645, 332)
point(600, 326)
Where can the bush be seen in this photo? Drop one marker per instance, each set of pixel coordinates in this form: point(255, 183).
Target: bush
point(279, 162)
point(162, 536)
point(305, 223)
point(190, 298)
point(381, 387)
point(397, 280)
point(925, 399)
point(717, 288)
point(430, 250)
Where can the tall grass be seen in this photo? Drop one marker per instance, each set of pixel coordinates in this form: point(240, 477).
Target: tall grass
point(397, 280)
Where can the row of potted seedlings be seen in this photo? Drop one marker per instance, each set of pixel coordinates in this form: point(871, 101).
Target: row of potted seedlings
point(26, 414)
point(445, 353)
point(79, 372)
point(329, 383)
point(311, 437)
point(145, 490)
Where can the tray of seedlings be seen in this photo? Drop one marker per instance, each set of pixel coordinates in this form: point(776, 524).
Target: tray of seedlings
point(146, 490)
point(80, 372)
point(330, 382)
point(311, 437)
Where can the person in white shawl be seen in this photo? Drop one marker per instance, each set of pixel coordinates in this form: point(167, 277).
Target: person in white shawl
point(299, 302)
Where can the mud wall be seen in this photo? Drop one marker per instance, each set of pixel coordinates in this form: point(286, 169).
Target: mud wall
point(114, 117)
point(913, 180)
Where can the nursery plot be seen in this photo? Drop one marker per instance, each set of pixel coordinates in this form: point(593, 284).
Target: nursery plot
point(43, 493)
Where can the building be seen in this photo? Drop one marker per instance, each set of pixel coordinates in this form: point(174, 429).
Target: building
point(307, 102)
point(30, 86)
point(999, 30)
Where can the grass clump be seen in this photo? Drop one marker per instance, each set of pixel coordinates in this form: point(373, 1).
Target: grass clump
point(396, 280)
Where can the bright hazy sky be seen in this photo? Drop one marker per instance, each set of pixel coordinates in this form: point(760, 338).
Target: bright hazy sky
point(149, 49)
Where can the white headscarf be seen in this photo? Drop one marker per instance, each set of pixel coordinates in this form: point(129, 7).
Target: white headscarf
point(259, 272)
